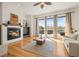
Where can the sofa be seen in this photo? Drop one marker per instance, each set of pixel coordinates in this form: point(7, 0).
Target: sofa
point(71, 44)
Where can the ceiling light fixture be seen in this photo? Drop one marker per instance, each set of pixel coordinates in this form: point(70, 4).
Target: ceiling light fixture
point(42, 4)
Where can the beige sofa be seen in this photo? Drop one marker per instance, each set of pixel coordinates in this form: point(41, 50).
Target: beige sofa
point(72, 44)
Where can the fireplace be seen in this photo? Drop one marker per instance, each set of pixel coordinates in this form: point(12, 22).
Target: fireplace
point(13, 33)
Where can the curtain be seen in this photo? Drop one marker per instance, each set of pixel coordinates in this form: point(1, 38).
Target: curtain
point(36, 27)
point(45, 26)
point(68, 28)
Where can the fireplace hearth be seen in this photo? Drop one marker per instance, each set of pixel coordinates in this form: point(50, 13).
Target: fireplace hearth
point(13, 33)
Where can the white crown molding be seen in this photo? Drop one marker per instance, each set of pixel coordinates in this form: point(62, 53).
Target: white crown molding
point(57, 12)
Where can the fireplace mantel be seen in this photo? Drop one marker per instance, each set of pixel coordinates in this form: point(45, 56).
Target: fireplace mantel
point(8, 25)
point(14, 26)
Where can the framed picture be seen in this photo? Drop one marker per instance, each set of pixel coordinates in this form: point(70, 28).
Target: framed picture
point(14, 19)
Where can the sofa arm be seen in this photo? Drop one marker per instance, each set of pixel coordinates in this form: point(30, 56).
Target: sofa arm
point(67, 38)
point(74, 48)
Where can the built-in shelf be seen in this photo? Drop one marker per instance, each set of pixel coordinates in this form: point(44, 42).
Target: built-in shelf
point(26, 31)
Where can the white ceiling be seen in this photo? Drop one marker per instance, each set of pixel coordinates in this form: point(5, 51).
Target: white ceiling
point(28, 7)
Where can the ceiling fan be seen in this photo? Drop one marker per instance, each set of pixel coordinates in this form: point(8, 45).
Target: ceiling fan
point(42, 4)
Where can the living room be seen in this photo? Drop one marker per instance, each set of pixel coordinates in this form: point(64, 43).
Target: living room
point(36, 29)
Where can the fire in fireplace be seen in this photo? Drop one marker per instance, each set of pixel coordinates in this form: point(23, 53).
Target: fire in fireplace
point(13, 33)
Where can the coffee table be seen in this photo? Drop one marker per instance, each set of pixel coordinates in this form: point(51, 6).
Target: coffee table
point(40, 41)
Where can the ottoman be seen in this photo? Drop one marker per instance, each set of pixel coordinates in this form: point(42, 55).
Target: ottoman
point(40, 41)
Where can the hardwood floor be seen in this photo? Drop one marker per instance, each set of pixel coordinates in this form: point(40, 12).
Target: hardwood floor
point(14, 49)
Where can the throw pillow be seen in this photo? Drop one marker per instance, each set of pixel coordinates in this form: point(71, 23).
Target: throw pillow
point(74, 36)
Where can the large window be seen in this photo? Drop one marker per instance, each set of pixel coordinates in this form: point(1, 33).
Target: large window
point(50, 23)
point(41, 24)
point(61, 25)
point(46, 26)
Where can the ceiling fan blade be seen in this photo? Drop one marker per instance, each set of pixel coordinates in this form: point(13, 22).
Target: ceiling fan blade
point(36, 3)
point(42, 6)
point(48, 3)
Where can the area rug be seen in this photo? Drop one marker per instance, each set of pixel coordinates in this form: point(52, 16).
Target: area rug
point(45, 50)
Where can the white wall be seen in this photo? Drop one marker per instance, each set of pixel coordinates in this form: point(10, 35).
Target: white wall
point(0, 12)
point(28, 20)
point(34, 26)
point(12, 8)
point(75, 19)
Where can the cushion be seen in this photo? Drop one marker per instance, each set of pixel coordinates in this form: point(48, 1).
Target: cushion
point(73, 36)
